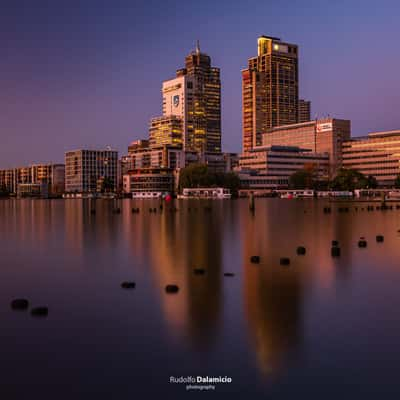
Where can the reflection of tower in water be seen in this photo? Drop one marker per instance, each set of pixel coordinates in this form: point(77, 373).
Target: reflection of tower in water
point(273, 295)
point(180, 242)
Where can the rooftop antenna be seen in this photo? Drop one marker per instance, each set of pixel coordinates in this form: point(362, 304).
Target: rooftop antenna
point(198, 47)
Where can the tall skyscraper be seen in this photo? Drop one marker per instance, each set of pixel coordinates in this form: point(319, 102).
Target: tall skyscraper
point(195, 96)
point(304, 111)
point(270, 89)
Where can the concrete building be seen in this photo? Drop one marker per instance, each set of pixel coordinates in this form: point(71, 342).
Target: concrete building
point(166, 156)
point(319, 136)
point(304, 111)
point(46, 179)
point(377, 154)
point(138, 144)
point(39, 190)
point(284, 161)
point(254, 182)
point(166, 130)
point(8, 180)
point(265, 168)
point(231, 161)
point(270, 89)
point(142, 156)
point(85, 168)
point(149, 180)
point(195, 96)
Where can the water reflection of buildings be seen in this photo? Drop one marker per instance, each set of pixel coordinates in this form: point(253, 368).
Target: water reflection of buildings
point(178, 242)
point(91, 236)
point(273, 296)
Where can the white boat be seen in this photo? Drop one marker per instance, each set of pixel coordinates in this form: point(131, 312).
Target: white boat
point(394, 194)
point(147, 195)
point(205, 193)
point(294, 194)
point(306, 193)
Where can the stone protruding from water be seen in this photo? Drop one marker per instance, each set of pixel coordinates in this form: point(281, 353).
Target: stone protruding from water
point(255, 259)
point(128, 285)
point(199, 271)
point(40, 311)
point(172, 289)
point(335, 251)
point(20, 304)
point(301, 251)
point(284, 261)
point(379, 238)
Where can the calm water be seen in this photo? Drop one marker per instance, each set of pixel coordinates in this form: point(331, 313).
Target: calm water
point(321, 326)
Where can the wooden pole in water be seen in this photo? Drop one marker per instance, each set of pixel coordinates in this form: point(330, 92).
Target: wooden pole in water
point(252, 206)
point(383, 203)
point(116, 209)
point(92, 205)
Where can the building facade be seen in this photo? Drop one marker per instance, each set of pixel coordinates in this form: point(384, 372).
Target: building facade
point(304, 111)
point(284, 161)
point(143, 157)
point(166, 130)
point(253, 182)
point(377, 154)
point(270, 167)
point(149, 180)
point(320, 136)
point(270, 89)
point(84, 169)
point(195, 96)
point(48, 179)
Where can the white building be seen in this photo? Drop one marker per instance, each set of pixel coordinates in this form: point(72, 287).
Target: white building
point(178, 101)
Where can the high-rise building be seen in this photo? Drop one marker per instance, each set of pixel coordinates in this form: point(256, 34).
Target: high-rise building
point(304, 111)
point(87, 170)
point(270, 89)
point(166, 130)
point(195, 96)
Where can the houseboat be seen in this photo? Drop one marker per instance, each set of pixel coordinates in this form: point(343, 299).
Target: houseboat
point(205, 193)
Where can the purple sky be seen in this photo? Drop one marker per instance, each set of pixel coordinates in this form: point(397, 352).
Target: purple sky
point(88, 73)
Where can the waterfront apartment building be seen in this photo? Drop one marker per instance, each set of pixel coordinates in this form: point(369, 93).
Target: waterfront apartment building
point(320, 136)
point(259, 182)
point(195, 96)
point(283, 161)
point(164, 156)
point(141, 180)
point(85, 170)
point(144, 157)
point(377, 154)
point(304, 111)
point(267, 168)
point(166, 130)
point(35, 180)
point(270, 90)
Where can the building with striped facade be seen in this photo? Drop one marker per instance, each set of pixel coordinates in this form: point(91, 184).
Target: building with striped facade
point(377, 154)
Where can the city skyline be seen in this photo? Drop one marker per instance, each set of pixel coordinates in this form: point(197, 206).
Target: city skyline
point(78, 81)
